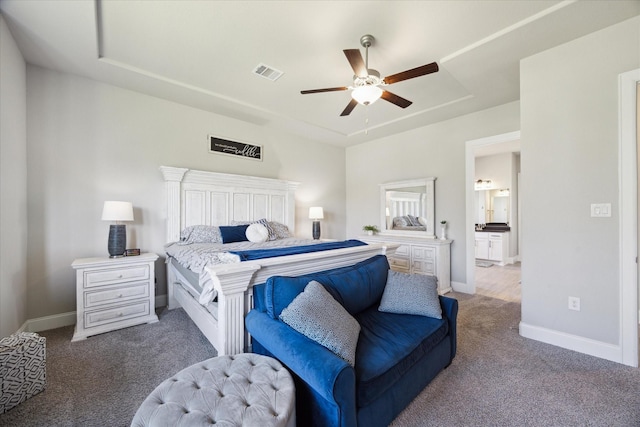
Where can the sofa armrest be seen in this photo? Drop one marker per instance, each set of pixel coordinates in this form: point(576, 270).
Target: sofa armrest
point(450, 311)
point(326, 373)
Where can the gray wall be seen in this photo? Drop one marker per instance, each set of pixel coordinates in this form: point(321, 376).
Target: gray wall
point(569, 103)
point(13, 184)
point(436, 150)
point(89, 142)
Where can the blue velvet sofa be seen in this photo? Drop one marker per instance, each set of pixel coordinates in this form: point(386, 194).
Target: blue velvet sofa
point(397, 355)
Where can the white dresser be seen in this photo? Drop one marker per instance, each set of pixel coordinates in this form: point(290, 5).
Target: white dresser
point(114, 293)
point(419, 255)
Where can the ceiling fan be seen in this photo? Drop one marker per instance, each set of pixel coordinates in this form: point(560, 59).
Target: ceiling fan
point(368, 87)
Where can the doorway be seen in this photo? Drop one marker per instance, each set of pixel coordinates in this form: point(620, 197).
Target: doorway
point(508, 142)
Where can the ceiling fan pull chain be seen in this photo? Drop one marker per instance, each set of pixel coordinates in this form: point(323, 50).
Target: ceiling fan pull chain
point(366, 120)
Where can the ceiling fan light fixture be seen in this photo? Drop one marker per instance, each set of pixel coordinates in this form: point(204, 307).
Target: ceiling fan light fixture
point(366, 95)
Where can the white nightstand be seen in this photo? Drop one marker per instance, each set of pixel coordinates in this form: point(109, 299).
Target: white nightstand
point(114, 293)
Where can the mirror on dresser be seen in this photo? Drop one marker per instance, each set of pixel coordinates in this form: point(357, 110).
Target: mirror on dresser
point(408, 207)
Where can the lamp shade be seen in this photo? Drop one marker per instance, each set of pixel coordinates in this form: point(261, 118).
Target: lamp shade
point(316, 212)
point(117, 211)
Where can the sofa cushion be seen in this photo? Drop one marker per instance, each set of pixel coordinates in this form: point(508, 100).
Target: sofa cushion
point(411, 294)
point(389, 345)
point(318, 316)
point(355, 287)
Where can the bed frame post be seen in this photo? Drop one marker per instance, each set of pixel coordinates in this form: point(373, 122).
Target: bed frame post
point(232, 285)
point(173, 177)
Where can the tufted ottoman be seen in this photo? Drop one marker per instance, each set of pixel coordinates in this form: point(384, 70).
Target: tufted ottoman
point(241, 390)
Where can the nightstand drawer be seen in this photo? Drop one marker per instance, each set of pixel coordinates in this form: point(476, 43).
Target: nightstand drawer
point(120, 294)
point(116, 314)
point(115, 275)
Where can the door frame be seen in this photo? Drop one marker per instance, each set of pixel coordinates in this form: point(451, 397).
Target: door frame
point(628, 216)
point(470, 166)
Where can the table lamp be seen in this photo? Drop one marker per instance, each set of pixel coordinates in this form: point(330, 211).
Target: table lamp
point(117, 211)
point(316, 214)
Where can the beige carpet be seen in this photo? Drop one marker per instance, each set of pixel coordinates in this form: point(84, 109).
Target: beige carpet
point(497, 378)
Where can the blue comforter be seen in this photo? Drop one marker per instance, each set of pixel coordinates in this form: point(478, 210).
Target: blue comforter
point(294, 250)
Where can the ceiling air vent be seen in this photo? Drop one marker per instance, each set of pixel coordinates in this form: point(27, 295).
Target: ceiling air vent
point(267, 72)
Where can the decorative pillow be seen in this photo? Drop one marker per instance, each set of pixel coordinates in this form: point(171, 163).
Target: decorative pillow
point(423, 221)
point(407, 293)
point(280, 231)
point(234, 233)
point(200, 234)
point(318, 316)
point(400, 221)
point(257, 233)
point(413, 220)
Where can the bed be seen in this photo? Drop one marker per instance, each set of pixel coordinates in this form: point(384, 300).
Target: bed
point(201, 198)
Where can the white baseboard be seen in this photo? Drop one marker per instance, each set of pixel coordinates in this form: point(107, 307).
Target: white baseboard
point(49, 322)
point(572, 342)
point(463, 287)
point(54, 321)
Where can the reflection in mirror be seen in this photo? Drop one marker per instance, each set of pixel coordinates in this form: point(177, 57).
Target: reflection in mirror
point(492, 206)
point(407, 207)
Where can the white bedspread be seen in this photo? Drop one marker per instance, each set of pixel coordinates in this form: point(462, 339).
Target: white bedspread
point(197, 256)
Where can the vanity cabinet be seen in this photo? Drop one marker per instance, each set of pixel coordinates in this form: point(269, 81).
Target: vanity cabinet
point(492, 246)
point(418, 255)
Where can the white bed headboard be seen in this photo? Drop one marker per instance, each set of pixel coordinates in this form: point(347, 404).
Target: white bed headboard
point(209, 198)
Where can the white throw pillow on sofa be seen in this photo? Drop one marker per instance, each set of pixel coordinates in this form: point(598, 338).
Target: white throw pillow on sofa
point(318, 316)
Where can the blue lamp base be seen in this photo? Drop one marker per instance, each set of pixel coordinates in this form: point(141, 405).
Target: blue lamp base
point(316, 230)
point(117, 242)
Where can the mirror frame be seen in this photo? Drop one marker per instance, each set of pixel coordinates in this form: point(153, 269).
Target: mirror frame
point(430, 208)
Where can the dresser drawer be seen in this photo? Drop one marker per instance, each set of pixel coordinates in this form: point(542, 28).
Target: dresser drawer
point(399, 263)
point(424, 267)
point(113, 295)
point(115, 275)
point(422, 253)
point(402, 251)
point(116, 314)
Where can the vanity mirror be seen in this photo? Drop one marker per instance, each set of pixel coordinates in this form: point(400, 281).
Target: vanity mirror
point(492, 206)
point(408, 207)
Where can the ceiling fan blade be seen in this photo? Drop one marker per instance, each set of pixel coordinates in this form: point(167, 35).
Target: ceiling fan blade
point(410, 74)
point(357, 63)
point(395, 99)
point(329, 89)
point(352, 104)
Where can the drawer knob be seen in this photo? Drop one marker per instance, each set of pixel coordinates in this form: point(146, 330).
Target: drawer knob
point(120, 276)
point(119, 295)
point(120, 314)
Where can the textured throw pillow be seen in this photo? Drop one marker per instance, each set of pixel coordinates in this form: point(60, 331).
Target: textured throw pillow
point(318, 316)
point(257, 233)
point(200, 234)
point(280, 231)
point(234, 233)
point(413, 220)
point(411, 294)
point(400, 221)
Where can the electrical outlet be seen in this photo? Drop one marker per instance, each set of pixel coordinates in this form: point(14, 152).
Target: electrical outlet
point(574, 303)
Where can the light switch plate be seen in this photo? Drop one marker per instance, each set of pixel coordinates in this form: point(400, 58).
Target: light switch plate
point(601, 210)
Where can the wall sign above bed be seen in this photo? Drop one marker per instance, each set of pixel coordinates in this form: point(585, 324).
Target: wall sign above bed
point(233, 148)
